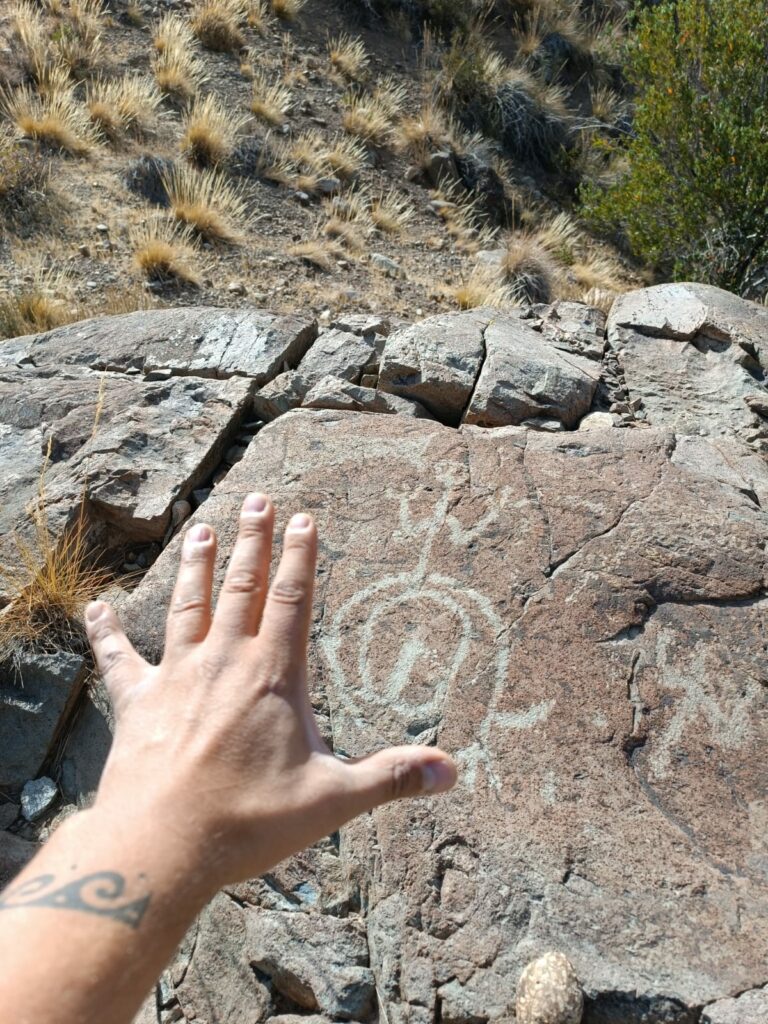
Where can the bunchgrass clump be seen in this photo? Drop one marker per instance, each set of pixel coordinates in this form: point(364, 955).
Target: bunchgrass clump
point(24, 179)
point(39, 304)
point(163, 252)
point(348, 57)
point(207, 203)
point(217, 24)
point(128, 105)
point(367, 118)
point(56, 119)
point(270, 99)
point(210, 132)
point(391, 211)
point(321, 253)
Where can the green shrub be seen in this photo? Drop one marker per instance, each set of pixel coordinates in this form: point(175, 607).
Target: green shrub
point(692, 193)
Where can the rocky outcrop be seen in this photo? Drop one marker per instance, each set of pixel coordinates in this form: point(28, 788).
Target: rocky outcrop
point(567, 590)
point(593, 663)
point(202, 341)
point(695, 356)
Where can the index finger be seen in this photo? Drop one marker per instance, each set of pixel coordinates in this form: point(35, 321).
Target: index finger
point(288, 609)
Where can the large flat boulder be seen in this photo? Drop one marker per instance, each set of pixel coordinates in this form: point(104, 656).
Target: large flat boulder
point(436, 361)
point(201, 340)
point(122, 448)
point(580, 619)
point(531, 374)
point(695, 356)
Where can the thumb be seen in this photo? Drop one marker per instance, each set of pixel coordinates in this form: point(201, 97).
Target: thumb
point(399, 772)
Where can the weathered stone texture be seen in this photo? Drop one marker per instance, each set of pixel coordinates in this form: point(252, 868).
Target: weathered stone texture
point(580, 620)
point(202, 341)
point(696, 357)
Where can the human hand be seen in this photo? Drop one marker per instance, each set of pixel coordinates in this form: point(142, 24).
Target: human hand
point(219, 741)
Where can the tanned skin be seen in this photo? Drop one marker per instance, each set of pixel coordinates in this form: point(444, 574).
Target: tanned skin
point(217, 772)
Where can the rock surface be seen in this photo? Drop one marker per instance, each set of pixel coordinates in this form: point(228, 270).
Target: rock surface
point(527, 375)
point(436, 362)
point(612, 802)
point(696, 357)
point(749, 1008)
point(38, 796)
point(203, 341)
point(332, 393)
point(34, 702)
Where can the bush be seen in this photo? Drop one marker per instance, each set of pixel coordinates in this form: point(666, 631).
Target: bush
point(693, 198)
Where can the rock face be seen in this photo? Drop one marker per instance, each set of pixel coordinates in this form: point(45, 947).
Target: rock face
point(580, 620)
point(579, 616)
point(436, 362)
point(527, 376)
point(203, 341)
point(32, 706)
point(696, 356)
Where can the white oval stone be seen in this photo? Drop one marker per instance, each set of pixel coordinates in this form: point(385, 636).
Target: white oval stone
point(549, 992)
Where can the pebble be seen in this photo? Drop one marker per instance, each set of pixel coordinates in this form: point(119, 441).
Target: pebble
point(180, 510)
point(302, 198)
point(369, 380)
point(236, 288)
point(37, 796)
point(329, 186)
point(158, 374)
point(103, 228)
point(200, 495)
point(549, 992)
point(389, 266)
point(84, 250)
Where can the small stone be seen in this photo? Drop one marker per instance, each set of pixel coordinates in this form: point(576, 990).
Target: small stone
point(91, 284)
point(329, 186)
point(542, 423)
point(549, 992)
point(84, 250)
point(302, 198)
point(635, 404)
point(200, 495)
point(8, 814)
point(620, 407)
point(369, 380)
point(37, 796)
point(103, 228)
point(236, 288)
point(325, 316)
point(158, 374)
point(180, 510)
point(596, 421)
point(388, 266)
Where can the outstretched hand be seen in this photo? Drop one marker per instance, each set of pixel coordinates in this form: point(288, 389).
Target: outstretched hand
point(219, 740)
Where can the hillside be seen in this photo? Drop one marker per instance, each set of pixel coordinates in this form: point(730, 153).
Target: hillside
point(324, 156)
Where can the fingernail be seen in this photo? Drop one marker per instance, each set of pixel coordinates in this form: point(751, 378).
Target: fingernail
point(437, 777)
point(299, 522)
point(94, 610)
point(199, 534)
point(255, 503)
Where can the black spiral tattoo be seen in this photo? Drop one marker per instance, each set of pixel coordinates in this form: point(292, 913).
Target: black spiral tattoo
point(95, 893)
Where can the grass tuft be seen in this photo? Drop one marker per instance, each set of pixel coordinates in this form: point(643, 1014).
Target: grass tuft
point(38, 305)
point(391, 211)
point(210, 132)
point(24, 178)
point(321, 253)
point(55, 119)
point(287, 10)
point(216, 23)
point(367, 118)
point(207, 203)
point(163, 252)
point(269, 99)
point(126, 105)
point(348, 56)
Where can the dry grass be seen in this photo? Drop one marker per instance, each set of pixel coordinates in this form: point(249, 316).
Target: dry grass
point(217, 24)
point(163, 252)
point(426, 131)
point(51, 579)
point(464, 219)
point(126, 105)
point(210, 132)
point(367, 118)
point(319, 252)
point(270, 99)
point(287, 10)
point(391, 211)
point(172, 32)
point(24, 179)
point(178, 72)
point(348, 56)
point(390, 95)
point(482, 288)
point(40, 304)
point(607, 105)
point(31, 37)
point(257, 16)
point(56, 119)
point(345, 156)
point(529, 270)
point(349, 220)
point(207, 203)
point(80, 37)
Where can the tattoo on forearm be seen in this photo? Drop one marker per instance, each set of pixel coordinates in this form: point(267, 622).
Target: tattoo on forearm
point(96, 893)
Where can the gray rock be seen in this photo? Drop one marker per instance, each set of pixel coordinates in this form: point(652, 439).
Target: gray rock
point(87, 746)
point(749, 1008)
point(337, 353)
point(318, 962)
point(596, 421)
point(526, 375)
point(696, 357)
point(282, 394)
point(436, 361)
point(204, 341)
point(386, 265)
point(15, 854)
point(130, 448)
point(33, 708)
point(363, 324)
point(38, 796)
point(8, 814)
point(332, 393)
point(574, 327)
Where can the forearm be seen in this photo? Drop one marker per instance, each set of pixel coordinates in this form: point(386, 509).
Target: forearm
point(103, 906)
